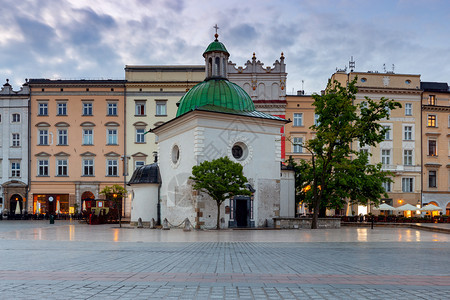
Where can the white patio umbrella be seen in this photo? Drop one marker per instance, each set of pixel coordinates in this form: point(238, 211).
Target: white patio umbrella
point(17, 208)
point(406, 207)
point(385, 206)
point(430, 207)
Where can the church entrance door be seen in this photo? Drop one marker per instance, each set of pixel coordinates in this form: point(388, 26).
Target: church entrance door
point(241, 213)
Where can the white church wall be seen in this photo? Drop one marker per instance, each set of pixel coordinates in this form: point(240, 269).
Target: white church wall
point(144, 202)
point(208, 136)
point(287, 194)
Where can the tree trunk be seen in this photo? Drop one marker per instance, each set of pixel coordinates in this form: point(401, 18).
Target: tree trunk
point(218, 215)
point(316, 208)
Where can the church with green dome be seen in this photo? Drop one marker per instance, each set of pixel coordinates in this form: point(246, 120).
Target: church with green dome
point(217, 118)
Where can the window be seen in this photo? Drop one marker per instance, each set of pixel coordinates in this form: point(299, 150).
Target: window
point(62, 109)
point(140, 108)
point(138, 164)
point(15, 118)
point(432, 148)
point(298, 119)
point(88, 167)
point(43, 167)
point(62, 137)
point(316, 120)
point(16, 140)
point(112, 109)
point(297, 143)
point(88, 137)
point(408, 109)
point(161, 108)
point(140, 135)
point(43, 109)
point(43, 137)
point(432, 100)
point(112, 167)
point(15, 169)
point(385, 157)
point(431, 120)
point(407, 157)
point(387, 134)
point(407, 133)
point(407, 185)
point(87, 109)
point(387, 186)
point(112, 136)
point(432, 179)
point(61, 167)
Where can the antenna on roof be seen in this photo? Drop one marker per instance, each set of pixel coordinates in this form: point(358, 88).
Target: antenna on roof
point(393, 68)
point(351, 64)
point(384, 68)
point(302, 84)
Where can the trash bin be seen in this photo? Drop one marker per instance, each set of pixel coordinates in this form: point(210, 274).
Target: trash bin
point(52, 219)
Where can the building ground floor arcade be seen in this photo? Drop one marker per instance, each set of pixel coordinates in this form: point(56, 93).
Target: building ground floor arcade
point(63, 197)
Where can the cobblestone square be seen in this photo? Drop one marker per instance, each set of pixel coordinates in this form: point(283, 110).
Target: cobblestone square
point(69, 260)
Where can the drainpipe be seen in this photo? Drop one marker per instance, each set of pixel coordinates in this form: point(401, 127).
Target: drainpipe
point(125, 161)
point(29, 149)
point(158, 205)
point(421, 151)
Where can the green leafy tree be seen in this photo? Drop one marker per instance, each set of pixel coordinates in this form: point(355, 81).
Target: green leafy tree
point(220, 179)
point(116, 193)
point(336, 172)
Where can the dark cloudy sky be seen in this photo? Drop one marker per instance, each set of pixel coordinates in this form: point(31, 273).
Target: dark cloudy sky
point(72, 39)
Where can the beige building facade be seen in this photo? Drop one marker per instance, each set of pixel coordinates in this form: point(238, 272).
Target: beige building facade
point(77, 141)
point(400, 152)
point(436, 145)
point(300, 111)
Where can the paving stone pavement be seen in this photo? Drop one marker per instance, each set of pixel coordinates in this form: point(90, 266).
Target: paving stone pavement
point(69, 260)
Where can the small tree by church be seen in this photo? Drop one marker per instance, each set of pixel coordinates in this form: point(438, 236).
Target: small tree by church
point(221, 179)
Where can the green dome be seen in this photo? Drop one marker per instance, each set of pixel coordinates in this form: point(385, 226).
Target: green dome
point(216, 92)
point(216, 46)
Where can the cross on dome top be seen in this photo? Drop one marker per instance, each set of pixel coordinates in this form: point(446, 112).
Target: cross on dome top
point(216, 35)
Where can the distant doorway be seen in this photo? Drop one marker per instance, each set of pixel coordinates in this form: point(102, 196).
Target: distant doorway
point(241, 212)
point(16, 204)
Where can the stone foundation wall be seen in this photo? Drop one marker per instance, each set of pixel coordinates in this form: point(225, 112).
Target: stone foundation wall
point(305, 223)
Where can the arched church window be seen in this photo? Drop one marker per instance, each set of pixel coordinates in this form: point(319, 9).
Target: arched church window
point(209, 67)
point(224, 66)
point(217, 67)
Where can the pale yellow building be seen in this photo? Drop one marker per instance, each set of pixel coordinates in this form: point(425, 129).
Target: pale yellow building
point(300, 111)
point(436, 145)
point(152, 93)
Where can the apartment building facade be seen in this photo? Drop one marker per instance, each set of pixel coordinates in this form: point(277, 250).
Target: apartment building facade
point(300, 111)
point(77, 141)
point(400, 152)
point(436, 145)
point(14, 148)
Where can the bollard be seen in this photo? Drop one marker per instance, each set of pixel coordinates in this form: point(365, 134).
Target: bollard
point(187, 225)
point(165, 224)
point(139, 224)
point(152, 224)
point(52, 219)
